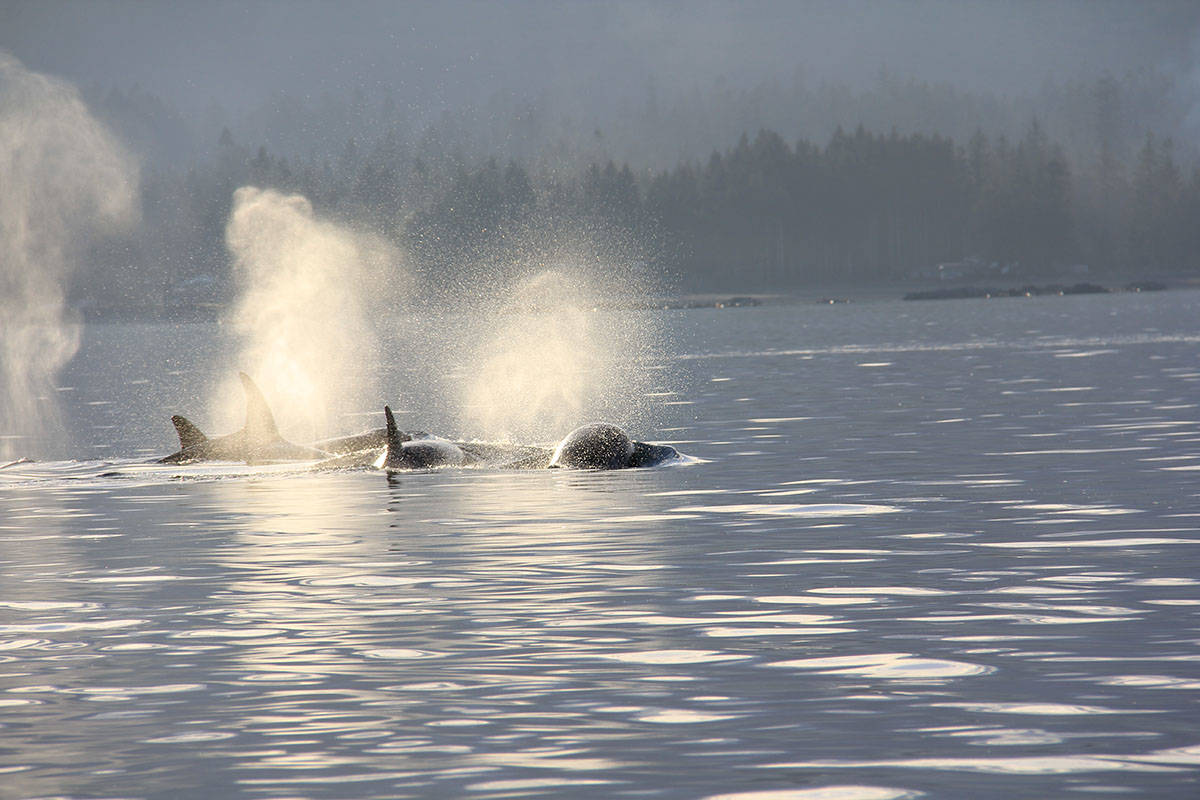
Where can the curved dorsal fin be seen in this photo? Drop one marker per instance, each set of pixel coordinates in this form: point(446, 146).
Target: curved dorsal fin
point(189, 434)
point(260, 423)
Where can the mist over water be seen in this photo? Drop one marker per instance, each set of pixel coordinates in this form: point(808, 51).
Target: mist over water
point(308, 290)
point(63, 178)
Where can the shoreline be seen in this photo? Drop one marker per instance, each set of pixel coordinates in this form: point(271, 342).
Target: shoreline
point(829, 294)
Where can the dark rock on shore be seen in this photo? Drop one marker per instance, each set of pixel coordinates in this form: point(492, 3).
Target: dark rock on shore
point(731, 302)
point(961, 292)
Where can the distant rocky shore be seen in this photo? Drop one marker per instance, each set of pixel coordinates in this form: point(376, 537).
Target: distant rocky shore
point(208, 312)
point(701, 302)
point(961, 292)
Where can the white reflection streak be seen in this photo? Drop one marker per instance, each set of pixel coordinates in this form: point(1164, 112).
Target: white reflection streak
point(1177, 760)
point(892, 666)
point(840, 792)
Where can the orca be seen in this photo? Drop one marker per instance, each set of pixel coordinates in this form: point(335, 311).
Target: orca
point(406, 451)
point(599, 445)
point(421, 452)
point(257, 442)
point(602, 445)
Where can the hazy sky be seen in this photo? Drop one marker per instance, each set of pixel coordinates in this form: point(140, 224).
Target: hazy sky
point(453, 52)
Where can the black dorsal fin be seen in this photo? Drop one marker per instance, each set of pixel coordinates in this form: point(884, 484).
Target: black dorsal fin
point(395, 437)
point(260, 423)
point(189, 434)
point(393, 433)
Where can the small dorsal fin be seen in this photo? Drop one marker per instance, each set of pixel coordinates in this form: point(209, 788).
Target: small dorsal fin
point(260, 423)
point(395, 436)
point(393, 433)
point(189, 434)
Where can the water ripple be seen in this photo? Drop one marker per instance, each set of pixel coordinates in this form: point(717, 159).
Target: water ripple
point(877, 594)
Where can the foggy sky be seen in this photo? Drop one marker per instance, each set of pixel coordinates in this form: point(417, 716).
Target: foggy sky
point(456, 53)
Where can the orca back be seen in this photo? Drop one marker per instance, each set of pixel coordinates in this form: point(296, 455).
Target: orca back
point(189, 434)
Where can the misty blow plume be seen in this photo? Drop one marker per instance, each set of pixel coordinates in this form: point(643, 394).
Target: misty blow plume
point(63, 177)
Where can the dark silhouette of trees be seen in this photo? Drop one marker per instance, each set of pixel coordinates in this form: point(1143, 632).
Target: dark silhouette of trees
point(480, 217)
point(1024, 203)
point(1160, 226)
point(857, 206)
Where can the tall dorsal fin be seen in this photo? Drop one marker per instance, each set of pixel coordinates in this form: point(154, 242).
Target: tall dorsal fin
point(260, 423)
point(189, 434)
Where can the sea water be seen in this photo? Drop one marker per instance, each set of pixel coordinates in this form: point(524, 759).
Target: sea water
point(945, 549)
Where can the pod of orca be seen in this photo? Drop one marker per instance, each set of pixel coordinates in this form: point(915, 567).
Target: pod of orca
point(595, 446)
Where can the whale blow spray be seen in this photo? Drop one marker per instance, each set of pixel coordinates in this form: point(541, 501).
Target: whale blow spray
point(63, 177)
point(556, 350)
point(307, 290)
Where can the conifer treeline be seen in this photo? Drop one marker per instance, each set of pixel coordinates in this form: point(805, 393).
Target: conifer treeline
point(764, 214)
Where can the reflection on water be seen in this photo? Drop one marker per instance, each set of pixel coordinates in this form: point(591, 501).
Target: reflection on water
point(905, 569)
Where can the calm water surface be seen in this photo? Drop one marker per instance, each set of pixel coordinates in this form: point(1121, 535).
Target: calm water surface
point(934, 550)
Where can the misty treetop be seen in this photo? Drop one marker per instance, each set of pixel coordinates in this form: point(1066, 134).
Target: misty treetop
point(767, 212)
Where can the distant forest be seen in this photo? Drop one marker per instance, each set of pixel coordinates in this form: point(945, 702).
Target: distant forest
point(692, 185)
